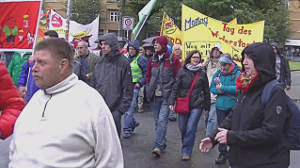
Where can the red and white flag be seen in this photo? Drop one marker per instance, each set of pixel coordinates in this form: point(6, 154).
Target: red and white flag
point(18, 24)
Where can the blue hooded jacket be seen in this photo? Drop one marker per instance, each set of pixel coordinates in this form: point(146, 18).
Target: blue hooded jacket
point(27, 78)
point(142, 61)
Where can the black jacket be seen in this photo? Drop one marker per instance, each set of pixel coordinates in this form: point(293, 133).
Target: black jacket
point(257, 132)
point(112, 77)
point(200, 97)
point(285, 73)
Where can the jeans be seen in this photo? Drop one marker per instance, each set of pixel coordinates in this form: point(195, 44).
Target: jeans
point(221, 115)
point(188, 124)
point(212, 120)
point(160, 109)
point(173, 115)
point(129, 121)
point(141, 99)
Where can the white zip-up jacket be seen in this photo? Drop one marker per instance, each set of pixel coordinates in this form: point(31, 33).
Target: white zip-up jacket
point(68, 125)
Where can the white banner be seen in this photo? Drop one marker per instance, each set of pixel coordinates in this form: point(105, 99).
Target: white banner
point(77, 31)
point(87, 32)
point(57, 23)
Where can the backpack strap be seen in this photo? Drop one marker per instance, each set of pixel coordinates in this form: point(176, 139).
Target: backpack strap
point(266, 93)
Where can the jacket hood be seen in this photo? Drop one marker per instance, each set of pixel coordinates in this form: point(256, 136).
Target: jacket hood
point(112, 40)
point(276, 45)
point(216, 47)
point(135, 44)
point(163, 41)
point(264, 62)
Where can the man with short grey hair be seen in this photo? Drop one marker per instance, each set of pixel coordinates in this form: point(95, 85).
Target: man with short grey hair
point(85, 61)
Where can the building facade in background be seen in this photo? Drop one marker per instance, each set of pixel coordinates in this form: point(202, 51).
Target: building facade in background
point(58, 5)
point(292, 45)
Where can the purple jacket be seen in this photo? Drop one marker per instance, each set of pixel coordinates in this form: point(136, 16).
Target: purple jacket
point(24, 78)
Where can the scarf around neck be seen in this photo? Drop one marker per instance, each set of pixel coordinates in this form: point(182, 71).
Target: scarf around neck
point(191, 67)
point(231, 68)
point(244, 82)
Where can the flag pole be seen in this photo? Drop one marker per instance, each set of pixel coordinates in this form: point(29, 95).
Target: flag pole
point(137, 34)
point(68, 21)
point(37, 28)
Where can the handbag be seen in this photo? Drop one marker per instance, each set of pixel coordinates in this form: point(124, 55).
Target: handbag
point(182, 105)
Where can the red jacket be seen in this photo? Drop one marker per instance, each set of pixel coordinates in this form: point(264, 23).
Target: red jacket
point(11, 103)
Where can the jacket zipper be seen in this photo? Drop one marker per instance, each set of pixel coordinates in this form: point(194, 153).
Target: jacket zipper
point(43, 114)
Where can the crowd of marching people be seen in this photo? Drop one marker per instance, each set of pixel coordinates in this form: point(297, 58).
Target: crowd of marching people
point(69, 102)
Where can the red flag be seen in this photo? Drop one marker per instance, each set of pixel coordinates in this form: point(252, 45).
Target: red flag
point(18, 21)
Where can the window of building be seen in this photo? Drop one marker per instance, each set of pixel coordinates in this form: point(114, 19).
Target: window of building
point(114, 16)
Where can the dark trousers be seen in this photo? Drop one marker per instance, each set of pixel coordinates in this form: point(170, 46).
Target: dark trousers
point(117, 118)
point(221, 115)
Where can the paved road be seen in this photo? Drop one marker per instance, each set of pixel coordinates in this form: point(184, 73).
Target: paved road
point(137, 149)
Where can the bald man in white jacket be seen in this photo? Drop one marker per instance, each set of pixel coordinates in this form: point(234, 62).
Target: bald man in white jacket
point(66, 123)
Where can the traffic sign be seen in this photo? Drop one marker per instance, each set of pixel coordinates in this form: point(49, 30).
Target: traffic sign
point(128, 23)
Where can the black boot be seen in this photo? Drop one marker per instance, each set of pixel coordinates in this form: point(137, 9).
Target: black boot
point(221, 159)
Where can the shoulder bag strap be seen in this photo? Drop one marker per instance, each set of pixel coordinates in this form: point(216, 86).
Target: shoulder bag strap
point(193, 83)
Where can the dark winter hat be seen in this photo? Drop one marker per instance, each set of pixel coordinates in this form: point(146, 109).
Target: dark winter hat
point(163, 41)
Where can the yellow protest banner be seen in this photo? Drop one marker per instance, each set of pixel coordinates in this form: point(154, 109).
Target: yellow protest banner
point(234, 21)
point(170, 30)
point(202, 33)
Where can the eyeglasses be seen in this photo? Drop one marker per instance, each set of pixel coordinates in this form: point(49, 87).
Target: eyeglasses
point(195, 57)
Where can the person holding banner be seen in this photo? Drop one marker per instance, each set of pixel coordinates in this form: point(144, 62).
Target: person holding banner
point(223, 85)
point(160, 77)
point(199, 100)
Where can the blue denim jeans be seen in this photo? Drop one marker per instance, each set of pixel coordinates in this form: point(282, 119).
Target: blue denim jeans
point(160, 109)
point(212, 123)
point(173, 115)
point(221, 115)
point(188, 124)
point(129, 121)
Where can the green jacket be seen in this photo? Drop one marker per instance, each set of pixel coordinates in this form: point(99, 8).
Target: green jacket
point(92, 61)
point(15, 66)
